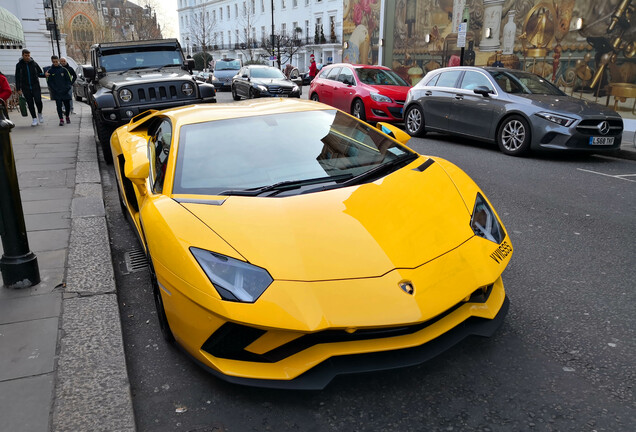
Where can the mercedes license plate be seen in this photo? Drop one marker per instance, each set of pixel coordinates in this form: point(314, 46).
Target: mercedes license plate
point(601, 141)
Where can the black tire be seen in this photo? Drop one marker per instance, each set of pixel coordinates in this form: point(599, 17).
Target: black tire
point(161, 311)
point(314, 97)
point(102, 137)
point(357, 109)
point(414, 121)
point(235, 96)
point(251, 93)
point(513, 136)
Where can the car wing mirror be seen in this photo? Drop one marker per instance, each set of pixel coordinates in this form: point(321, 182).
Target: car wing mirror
point(394, 132)
point(244, 76)
point(137, 169)
point(482, 90)
point(89, 72)
point(189, 64)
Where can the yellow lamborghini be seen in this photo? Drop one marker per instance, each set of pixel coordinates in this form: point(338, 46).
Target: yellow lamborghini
point(290, 242)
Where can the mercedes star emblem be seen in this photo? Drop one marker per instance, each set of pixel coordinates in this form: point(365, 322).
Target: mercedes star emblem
point(603, 127)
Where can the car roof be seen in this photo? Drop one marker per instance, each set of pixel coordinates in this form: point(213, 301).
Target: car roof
point(247, 108)
point(357, 66)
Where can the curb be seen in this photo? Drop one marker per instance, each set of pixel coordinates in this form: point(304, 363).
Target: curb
point(92, 389)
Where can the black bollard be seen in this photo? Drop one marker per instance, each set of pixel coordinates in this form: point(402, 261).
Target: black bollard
point(18, 265)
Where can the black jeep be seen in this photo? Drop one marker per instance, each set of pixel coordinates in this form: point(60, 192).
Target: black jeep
point(128, 78)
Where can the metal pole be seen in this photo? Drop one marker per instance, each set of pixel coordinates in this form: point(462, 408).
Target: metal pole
point(273, 51)
point(56, 31)
point(18, 265)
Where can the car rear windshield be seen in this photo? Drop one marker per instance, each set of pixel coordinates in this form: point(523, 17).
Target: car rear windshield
point(380, 77)
point(524, 83)
point(252, 152)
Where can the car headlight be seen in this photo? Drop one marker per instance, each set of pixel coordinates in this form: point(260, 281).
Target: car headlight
point(214, 78)
point(380, 98)
point(556, 118)
point(484, 222)
point(187, 89)
point(262, 88)
point(234, 280)
point(125, 95)
point(295, 89)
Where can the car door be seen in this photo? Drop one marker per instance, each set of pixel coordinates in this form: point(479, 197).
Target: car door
point(329, 85)
point(344, 89)
point(472, 113)
point(437, 99)
point(241, 83)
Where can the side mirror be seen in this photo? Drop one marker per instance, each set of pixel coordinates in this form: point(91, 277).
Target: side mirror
point(89, 72)
point(137, 170)
point(482, 90)
point(190, 64)
point(244, 76)
point(394, 132)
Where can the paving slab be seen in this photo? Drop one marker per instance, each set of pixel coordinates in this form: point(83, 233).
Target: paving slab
point(24, 403)
point(47, 221)
point(28, 348)
point(44, 192)
point(30, 308)
point(48, 240)
point(46, 206)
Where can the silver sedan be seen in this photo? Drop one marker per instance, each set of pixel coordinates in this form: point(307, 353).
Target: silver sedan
point(517, 110)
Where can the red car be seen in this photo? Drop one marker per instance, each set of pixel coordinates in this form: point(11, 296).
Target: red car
point(371, 93)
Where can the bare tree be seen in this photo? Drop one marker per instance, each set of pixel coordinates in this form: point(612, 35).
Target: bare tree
point(143, 24)
point(285, 46)
point(201, 27)
point(247, 39)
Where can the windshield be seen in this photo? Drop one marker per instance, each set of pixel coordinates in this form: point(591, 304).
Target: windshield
point(252, 152)
point(524, 83)
point(262, 72)
point(227, 65)
point(140, 58)
point(380, 77)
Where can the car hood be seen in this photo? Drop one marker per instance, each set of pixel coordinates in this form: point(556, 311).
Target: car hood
point(567, 104)
point(133, 77)
point(400, 221)
point(394, 92)
point(272, 81)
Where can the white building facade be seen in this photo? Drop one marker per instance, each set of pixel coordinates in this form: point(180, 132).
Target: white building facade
point(37, 38)
point(243, 28)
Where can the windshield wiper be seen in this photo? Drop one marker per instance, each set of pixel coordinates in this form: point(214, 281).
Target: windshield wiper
point(285, 185)
point(158, 68)
point(373, 173)
point(133, 68)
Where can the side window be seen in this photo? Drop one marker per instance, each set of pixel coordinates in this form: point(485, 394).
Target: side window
point(159, 149)
point(346, 76)
point(333, 73)
point(431, 82)
point(474, 79)
point(448, 79)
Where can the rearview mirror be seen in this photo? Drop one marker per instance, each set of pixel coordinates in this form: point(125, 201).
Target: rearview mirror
point(482, 90)
point(394, 132)
point(137, 170)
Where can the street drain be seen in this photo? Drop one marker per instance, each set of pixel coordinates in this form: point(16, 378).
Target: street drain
point(135, 260)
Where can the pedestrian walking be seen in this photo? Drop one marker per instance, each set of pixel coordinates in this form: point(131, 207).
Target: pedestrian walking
point(70, 70)
point(59, 81)
point(313, 70)
point(27, 72)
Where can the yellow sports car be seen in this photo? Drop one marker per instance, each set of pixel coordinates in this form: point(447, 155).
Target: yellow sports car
point(290, 242)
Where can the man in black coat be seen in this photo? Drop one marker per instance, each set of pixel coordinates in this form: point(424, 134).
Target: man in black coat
point(59, 82)
point(27, 72)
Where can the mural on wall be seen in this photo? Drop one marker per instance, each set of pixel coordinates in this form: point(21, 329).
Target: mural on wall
point(361, 31)
point(583, 45)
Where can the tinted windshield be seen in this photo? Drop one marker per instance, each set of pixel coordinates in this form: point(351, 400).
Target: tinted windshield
point(380, 77)
point(266, 73)
point(227, 65)
point(524, 83)
point(252, 152)
point(140, 57)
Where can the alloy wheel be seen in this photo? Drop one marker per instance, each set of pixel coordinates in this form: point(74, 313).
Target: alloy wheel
point(513, 135)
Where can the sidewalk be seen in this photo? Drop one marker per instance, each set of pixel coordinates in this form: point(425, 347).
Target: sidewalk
point(62, 364)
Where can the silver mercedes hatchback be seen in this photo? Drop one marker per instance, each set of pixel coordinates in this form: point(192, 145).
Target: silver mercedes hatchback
point(518, 110)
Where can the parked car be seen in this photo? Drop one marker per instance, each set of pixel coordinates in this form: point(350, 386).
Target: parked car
point(224, 71)
point(207, 77)
point(371, 93)
point(302, 243)
point(255, 81)
point(80, 86)
point(518, 110)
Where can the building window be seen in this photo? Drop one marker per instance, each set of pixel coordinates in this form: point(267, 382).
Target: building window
point(295, 3)
point(283, 29)
point(221, 14)
point(253, 6)
point(128, 11)
point(283, 4)
point(235, 10)
point(116, 11)
point(228, 13)
point(213, 15)
point(262, 5)
point(105, 11)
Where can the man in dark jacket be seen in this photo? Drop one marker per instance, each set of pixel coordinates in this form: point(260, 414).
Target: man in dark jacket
point(59, 82)
point(70, 70)
point(27, 72)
